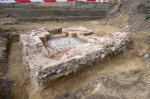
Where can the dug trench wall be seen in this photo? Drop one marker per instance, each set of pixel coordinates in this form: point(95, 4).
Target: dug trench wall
point(33, 12)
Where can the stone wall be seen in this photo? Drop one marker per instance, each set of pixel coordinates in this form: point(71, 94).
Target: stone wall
point(49, 57)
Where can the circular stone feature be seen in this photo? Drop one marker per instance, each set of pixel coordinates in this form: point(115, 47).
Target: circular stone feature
point(64, 43)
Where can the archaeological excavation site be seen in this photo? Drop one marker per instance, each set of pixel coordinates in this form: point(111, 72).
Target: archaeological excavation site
point(74, 49)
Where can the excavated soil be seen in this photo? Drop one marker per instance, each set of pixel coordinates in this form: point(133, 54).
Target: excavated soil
point(124, 76)
point(117, 76)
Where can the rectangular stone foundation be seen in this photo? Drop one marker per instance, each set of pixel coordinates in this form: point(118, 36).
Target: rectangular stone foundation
point(50, 57)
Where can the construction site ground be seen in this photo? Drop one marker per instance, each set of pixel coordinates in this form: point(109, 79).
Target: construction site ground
point(100, 80)
point(124, 76)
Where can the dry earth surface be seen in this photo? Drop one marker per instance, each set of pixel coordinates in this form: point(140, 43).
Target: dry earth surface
point(111, 78)
point(124, 76)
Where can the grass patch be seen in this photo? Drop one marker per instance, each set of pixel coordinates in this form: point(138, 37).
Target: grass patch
point(147, 17)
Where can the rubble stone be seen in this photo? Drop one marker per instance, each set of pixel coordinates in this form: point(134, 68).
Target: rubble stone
point(73, 31)
point(51, 57)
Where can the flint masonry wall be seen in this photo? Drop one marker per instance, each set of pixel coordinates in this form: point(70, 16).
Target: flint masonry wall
point(57, 11)
point(51, 57)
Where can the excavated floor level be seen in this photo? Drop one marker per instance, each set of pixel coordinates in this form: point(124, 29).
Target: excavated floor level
point(62, 44)
point(128, 62)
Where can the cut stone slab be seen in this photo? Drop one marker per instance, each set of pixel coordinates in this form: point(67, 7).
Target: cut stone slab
point(50, 57)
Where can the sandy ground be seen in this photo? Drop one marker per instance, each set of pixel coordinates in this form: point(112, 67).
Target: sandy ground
point(127, 62)
point(131, 81)
point(94, 25)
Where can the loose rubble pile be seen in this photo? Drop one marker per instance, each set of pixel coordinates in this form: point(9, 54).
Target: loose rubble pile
point(145, 56)
point(50, 57)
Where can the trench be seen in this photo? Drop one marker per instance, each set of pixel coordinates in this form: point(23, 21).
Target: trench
point(25, 88)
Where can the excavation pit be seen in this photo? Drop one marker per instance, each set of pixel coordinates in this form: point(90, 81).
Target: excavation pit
point(49, 57)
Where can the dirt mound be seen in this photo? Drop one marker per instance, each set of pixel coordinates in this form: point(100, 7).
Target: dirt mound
point(131, 15)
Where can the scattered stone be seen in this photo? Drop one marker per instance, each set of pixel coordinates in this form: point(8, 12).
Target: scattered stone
point(146, 56)
point(141, 54)
point(49, 57)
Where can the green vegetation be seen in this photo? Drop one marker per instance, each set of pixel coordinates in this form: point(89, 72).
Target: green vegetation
point(147, 17)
